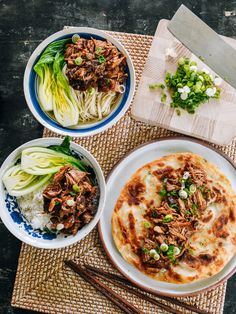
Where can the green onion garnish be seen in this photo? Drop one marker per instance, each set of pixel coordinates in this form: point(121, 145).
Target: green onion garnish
point(101, 59)
point(78, 61)
point(98, 50)
point(168, 218)
point(155, 87)
point(147, 224)
point(75, 38)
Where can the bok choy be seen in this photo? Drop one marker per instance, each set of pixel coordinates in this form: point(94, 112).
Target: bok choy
point(41, 161)
point(64, 104)
point(18, 182)
point(45, 95)
point(54, 92)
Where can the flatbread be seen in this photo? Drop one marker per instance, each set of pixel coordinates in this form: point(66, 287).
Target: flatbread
point(204, 233)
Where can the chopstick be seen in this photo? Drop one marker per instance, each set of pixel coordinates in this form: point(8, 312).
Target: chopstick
point(119, 278)
point(123, 304)
point(139, 294)
point(87, 274)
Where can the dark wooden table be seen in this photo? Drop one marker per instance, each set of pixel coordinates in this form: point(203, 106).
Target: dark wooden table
point(23, 25)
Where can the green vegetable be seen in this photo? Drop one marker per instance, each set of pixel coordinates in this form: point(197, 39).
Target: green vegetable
point(145, 250)
point(168, 218)
point(44, 83)
point(73, 193)
point(46, 229)
point(188, 212)
point(54, 92)
point(64, 104)
point(164, 247)
point(64, 147)
point(76, 188)
point(153, 253)
point(194, 209)
point(202, 188)
point(163, 98)
point(75, 38)
point(176, 251)
point(175, 206)
point(48, 55)
point(155, 87)
point(57, 203)
point(174, 193)
point(18, 182)
point(91, 90)
point(163, 192)
point(147, 224)
point(187, 191)
point(170, 253)
point(101, 59)
point(41, 161)
point(154, 213)
point(192, 188)
point(108, 82)
point(78, 61)
point(188, 87)
point(98, 50)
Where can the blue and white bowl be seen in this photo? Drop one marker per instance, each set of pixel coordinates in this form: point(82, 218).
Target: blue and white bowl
point(84, 129)
point(16, 223)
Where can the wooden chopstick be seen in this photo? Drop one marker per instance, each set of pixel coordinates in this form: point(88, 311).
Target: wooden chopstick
point(110, 276)
point(123, 304)
point(137, 293)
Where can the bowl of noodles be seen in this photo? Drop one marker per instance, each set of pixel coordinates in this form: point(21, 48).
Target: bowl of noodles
point(79, 81)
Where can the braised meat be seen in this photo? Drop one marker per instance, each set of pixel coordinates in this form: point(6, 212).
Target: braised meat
point(185, 195)
point(71, 199)
point(95, 63)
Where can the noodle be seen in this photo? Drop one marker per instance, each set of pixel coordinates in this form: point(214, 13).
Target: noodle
point(94, 105)
point(88, 106)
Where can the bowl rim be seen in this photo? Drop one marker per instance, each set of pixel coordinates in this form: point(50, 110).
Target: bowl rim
point(28, 239)
point(38, 50)
point(114, 263)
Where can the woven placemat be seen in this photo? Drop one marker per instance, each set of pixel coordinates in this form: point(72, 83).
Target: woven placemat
point(42, 282)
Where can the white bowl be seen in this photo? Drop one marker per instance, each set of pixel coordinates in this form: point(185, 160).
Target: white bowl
point(18, 225)
point(82, 130)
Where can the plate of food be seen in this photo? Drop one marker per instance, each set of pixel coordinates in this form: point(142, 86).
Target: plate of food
point(79, 81)
point(169, 224)
point(52, 192)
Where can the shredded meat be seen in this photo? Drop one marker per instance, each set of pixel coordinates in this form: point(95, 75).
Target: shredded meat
point(198, 175)
point(71, 199)
point(52, 190)
point(100, 65)
point(175, 219)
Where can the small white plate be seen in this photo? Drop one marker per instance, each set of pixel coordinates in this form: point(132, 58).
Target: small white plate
point(117, 179)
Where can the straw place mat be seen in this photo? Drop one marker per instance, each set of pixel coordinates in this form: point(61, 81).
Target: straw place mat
point(42, 282)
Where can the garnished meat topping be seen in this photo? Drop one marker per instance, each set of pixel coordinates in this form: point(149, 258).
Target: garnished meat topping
point(95, 63)
point(71, 199)
point(185, 196)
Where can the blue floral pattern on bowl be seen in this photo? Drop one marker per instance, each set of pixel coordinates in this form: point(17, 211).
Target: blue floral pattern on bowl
point(18, 218)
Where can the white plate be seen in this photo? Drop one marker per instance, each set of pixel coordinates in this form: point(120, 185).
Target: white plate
point(117, 179)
